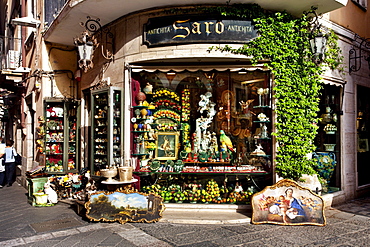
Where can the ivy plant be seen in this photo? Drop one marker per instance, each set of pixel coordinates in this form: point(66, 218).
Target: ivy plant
point(283, 42)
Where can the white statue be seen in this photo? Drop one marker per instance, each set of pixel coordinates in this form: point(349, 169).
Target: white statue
point(203, 123)
point(52, 195)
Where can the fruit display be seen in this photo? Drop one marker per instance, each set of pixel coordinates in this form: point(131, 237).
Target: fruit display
point(166, 92)
point(197, 193)
point(185, 103)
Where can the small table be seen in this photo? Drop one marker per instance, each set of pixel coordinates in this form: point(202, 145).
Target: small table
point(113, 185)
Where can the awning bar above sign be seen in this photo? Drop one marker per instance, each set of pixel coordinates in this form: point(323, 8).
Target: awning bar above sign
point(194, 29)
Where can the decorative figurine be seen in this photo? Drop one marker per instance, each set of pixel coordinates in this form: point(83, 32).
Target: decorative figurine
point(260, 92)
point(224, 139)
point(148, 89)
point(258, 150)
point(264, 131)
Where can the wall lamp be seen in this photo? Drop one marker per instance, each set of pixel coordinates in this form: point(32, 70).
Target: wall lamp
point(355, 53)
point(87, 43)
point(318, 37)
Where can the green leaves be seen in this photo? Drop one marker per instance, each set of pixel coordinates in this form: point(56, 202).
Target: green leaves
point(284, 41)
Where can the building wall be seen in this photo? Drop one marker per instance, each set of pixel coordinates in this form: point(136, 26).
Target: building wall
point(348, 22)
point(353, 18)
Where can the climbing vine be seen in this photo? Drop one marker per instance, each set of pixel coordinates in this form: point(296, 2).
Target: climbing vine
point(283, 41)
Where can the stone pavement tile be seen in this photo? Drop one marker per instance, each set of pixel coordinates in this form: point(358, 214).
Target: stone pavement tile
point(358, 234)
point(330, 242)
point(12, 242)
point(89, 228)
point(202, 244)
point(240, 229)
point(238, 239)
point(65, 233)
point(112, 240)
point(140, 238)
point(36, 238)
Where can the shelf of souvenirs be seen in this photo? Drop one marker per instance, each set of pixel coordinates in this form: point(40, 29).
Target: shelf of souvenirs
point(262, 138)
point(98, 140)
point(261, 155)
point(54, 130)
point(261, 106)
point(241, 170)
point(261, 121)
point(140, 107)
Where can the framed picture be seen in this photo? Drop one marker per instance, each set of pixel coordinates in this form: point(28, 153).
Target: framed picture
point(167, 145)
point(363, 145)
point(287, 203)
point(128, 206)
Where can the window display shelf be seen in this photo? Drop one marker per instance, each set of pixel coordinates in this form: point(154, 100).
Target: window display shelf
point(61, 135)
point(261, 155)
point(205, 173)
point(140, 107)
point(261, 121)
point(107, 105)
point(261, 106)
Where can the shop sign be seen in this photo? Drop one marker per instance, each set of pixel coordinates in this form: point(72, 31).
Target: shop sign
point(195, 29)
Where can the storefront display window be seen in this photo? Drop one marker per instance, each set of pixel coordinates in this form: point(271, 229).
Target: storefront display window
point(106, 129)
point(327, 140)
point(363, 134)
point(61, 136)
point(208, 124)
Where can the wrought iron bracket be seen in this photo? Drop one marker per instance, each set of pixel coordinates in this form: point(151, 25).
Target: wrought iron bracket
point(360, 45)
point(106, 36)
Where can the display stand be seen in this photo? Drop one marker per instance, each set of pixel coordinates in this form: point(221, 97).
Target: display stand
point(114, 185)
point(35, 185)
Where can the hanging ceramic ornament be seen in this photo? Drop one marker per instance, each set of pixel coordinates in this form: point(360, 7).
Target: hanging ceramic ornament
point(140, 97)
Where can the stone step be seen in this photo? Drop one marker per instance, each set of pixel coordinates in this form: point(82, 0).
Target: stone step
point(205, 207)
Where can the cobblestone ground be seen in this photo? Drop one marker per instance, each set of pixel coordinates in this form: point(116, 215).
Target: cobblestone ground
point(347, 225)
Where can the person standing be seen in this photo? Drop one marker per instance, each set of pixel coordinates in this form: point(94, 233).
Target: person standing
point(2, 166)
point(9, 156)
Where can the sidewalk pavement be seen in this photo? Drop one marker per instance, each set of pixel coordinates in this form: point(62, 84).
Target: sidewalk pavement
point(24, 225)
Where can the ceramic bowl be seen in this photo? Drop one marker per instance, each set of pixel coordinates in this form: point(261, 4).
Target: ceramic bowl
point(109, 174)
point(329, 147)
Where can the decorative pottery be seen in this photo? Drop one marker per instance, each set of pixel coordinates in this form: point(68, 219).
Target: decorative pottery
point(144, 113)
point(125, 173)
point(326, 117)
point(140, 97)
point(329, 147)
point(325, 164)
point(109, 174)
point(41, 198)
point(137, 113)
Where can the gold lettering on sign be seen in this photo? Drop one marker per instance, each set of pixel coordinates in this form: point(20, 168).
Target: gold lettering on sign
point(180, 28)
point(196, 28)
point(219, 27)
point(208, 24)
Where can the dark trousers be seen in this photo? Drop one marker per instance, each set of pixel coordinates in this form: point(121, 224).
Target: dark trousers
point(10, 172)
point(2, 176)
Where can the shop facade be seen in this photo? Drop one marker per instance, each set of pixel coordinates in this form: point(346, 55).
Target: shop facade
point(159, 105)
point(184, 116)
